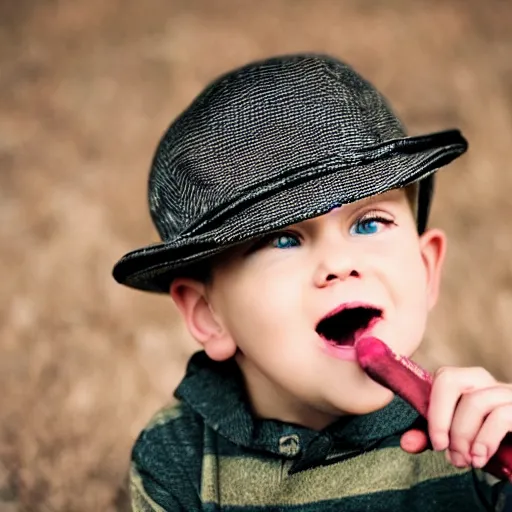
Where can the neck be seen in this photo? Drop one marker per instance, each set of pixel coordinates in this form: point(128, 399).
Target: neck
point(269, 401)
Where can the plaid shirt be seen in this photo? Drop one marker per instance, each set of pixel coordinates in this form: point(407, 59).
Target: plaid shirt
point(209, 453)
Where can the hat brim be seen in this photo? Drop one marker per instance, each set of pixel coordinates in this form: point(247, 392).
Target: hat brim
point(153, 268)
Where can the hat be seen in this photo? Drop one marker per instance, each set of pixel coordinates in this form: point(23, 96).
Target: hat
point(268, 145)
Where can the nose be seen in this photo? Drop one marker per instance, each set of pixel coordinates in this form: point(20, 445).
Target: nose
point(335, 264)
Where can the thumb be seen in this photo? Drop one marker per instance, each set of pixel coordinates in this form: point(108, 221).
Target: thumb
point(414, 441)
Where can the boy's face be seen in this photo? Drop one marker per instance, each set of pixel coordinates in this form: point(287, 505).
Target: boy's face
point(266, 300)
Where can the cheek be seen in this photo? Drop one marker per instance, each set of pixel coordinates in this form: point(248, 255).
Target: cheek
point(406, 276)
point(411, 293)
point(258, 307)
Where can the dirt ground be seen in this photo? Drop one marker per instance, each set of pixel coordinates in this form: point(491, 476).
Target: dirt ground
point(87, 88)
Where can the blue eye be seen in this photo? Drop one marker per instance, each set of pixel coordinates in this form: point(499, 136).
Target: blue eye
point(285, 241)
point(369, 225)
point(278, 240)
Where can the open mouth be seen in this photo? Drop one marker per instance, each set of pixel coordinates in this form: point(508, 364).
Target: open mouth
point(345, 325)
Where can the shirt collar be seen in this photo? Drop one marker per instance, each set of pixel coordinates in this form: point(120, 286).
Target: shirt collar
point(216, 391)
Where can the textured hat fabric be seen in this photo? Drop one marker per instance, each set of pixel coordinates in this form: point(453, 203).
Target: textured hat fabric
point(268, 145)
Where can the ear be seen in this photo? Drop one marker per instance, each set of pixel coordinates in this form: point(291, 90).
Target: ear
point(433, 249)
point(191, 299)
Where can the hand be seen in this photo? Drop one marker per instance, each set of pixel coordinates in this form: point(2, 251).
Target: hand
point(469, 415)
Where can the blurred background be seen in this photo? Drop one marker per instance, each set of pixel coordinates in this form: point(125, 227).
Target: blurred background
point(86, 90)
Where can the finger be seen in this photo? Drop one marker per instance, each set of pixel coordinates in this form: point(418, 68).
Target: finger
point(448, 386)
point(470, 414)
point(495, 427)
point(414, 441)
point(456, 459)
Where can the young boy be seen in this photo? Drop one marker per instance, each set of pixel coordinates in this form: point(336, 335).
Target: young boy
point(293, 210)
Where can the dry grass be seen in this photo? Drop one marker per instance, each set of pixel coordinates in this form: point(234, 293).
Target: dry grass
point(86, 89)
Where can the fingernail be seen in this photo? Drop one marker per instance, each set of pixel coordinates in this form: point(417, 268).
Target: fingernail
point(479, 450)
point(478, 455)
point(458, 459)
point(479, 462)
point(439, 442)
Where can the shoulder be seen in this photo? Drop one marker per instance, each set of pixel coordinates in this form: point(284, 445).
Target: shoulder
point(171, 417)
point(167, 455)
point(173, 433)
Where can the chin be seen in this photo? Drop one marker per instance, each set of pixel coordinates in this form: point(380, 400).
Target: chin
point(370, 402)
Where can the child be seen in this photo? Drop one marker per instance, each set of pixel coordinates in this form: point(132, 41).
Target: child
point(293, 211)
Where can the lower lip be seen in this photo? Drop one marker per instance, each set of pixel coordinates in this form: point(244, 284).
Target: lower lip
point(339, 352)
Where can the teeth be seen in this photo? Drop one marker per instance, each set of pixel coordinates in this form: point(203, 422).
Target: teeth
point(341, 327)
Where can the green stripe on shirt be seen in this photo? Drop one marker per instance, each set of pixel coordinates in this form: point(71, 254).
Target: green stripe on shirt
point(246, 481)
